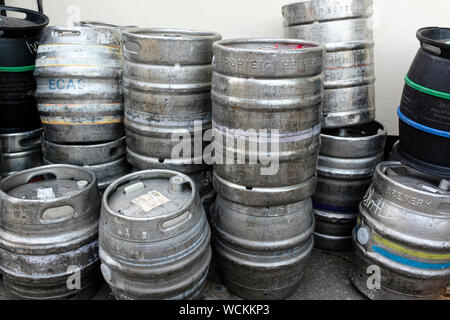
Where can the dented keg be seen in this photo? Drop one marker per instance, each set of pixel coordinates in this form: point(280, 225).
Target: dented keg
point(48, 233)
point(20, 151)
point(402, 235)
point(78, 73)
point(154, 237)
point(262, 252)
point(267, 100)
point(167, 83)
point(424, 111)
point(347, 160)
point(107, 160)
point(345, 28)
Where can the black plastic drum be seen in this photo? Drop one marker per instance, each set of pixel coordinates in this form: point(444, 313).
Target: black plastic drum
point(424, 112)
point(19, 39)
point(19, 114)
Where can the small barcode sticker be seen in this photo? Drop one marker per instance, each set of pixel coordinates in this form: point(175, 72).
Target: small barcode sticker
point(46, 193)
point(150, 200)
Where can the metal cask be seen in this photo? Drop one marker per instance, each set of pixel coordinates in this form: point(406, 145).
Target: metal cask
point(78, 73)
point(344, 27)
point(48, 233)
point(268, 93)
point(154, 237)
point(107, 160)
point(19, 151)
point(403, 235)
point(262, 252)
point(167, 84)
point(347, 160)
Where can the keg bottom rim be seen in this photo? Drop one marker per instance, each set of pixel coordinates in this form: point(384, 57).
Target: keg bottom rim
point(264, 197)
point(341, 119)
point(425, 167)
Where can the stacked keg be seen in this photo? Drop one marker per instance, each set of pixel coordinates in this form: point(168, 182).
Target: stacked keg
point(48, 233)
point(154, 237)
point(19, 119)
point(167, 84)
point(352, 143)
point(348, 157)
point(404, 222)
point(267, 101)
point(78, 73)
point(345, 28)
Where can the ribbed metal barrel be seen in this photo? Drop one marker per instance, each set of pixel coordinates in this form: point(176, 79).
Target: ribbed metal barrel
point(262, 252)
point(154, 237)
point(20, 151)
point(267, 84)
point(107, 160)
point(402, 235)
point(167, 83)
point(48, 233)
point(347, 160)
point(78, 73)
point(345, 28)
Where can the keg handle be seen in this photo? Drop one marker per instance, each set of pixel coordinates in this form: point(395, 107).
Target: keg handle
point(27, 14)
point(176, 222)
point(39, 5)
point(30, 142)
point(116, 151)
point(57, 213)
point(131, 51)
point(61, 32)
point(37, 176)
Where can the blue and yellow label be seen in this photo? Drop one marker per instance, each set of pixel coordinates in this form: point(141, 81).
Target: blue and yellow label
point(387, 248)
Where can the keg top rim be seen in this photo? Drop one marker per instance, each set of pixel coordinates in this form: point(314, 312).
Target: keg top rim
point(435, 36)
point(79, 29)
point(382, 131)
point(172, 34)
point(297, 3)
point(101, 24)
point(87, 146)
point(33, 20)
point(272, 45)
point(146, 174)
point(25, 177)
point(419, 177)
point(18, 134)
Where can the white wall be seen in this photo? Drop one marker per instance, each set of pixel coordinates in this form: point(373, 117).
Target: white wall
point(395, 25)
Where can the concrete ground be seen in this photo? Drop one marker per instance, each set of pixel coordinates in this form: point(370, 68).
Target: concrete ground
point(326, 277)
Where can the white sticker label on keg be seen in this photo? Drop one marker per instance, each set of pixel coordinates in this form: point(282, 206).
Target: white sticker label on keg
point(150, 200)
point(46, 193)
